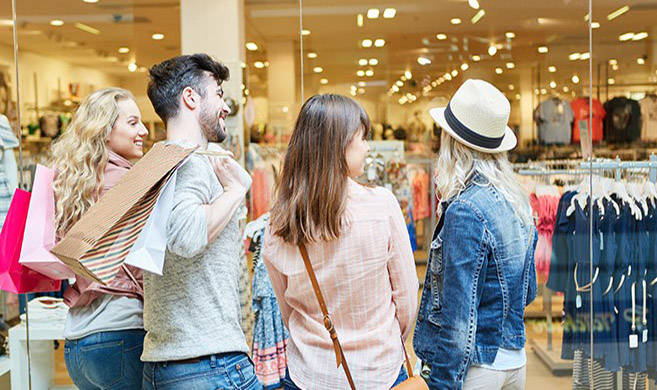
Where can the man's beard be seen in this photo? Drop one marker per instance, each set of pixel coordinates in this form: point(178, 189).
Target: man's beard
point(211, 125)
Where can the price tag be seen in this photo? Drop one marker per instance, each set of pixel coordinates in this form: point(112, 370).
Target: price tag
point(634, 341)
point(578, 301)
point(645, 335)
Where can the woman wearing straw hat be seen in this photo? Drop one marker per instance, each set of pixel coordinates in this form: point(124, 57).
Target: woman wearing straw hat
point(470, 332)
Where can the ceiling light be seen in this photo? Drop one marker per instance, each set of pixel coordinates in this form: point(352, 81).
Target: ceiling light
point(553, 84)
point(595, 25)
point(434, 84)
point(266, 64)
point(510, 65)
point(374, 62)
point(585, 56)
point(613, 61)
point(369, 73)
point(476, 58)
point(423, 61)
point(373, 13)
point(611, 81)
point(510, 35)
point(6, 22)
point(361, 84)
point(90, 1)
point(353, 92)
point(640, 36)
point(89, 29)
point(492, 50)
point(359, 20)
point(259, 64)
point(312, 55)
point(243, 65)
point(379, 42)
point(455, 73)
point(360, 73)
point(251, 46)
point(403, 78)
point(511, 87)
point(536, 91)
point(543, 91)
point(305, 32)
point(542, 49)
point(448, 76)
point(362, 62)
point(565, 89)
point(441, 37)
point(464, 67)
point(618, 12)
point(499, 70)
point(575, 79)
point(389, 13)
point(552, 69)
point(124, 50)
point(395, 88)
point(614, 67)
point(574, 56)
point(318, 69)
point(361, 91)
point(56, 22)
point(132, 67)
point(399, 83)
point(477, 17)
point(366, 43)
point(626, 37)
point(455, 21)
point(517, 96)
point(473, 4)
point(408, 75)
point(641, 61)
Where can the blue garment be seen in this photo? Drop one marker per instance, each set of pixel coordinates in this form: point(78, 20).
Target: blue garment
point(106, 360)
point(233, 370)
point(482, 261)
point(288, 384)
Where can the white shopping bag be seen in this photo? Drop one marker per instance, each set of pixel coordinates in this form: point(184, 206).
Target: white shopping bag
point(148, 251)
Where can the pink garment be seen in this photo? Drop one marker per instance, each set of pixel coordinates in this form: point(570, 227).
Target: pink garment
point(545, 213)
point(421, 196)
point(370, 286)
point(261, 192)
point(129, 281)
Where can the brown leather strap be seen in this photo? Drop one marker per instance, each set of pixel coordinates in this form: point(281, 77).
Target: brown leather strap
point(328, 324)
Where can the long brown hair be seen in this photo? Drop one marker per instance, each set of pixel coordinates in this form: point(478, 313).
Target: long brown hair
point(311, 195)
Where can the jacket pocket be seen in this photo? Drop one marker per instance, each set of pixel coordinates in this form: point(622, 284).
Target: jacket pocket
point(436, 278)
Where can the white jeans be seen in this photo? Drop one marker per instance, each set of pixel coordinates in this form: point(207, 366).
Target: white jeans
point(484, 378)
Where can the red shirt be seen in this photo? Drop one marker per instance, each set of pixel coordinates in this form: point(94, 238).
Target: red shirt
point(581, 108)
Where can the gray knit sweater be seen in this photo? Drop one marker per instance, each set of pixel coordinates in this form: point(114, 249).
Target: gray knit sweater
point(193, 309)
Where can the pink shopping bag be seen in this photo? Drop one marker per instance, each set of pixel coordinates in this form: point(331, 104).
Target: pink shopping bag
point(14, 277)
point(39, 237)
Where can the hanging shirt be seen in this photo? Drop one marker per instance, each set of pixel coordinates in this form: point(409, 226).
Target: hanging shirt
point(554, 117)
point(580, 107)
point(649, 118)
point(623, 120)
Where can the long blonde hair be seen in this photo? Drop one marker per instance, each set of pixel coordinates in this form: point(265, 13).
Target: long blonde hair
point(457, 163)
point(80, 156)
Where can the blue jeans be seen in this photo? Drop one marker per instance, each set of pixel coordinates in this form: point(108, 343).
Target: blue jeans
point(233, 371)
point(106, 360)
point(289, 385)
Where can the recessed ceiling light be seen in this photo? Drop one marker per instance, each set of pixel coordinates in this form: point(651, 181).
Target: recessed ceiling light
point(574, 56)
point(251, 46)
point(90, 1)
point(613, 61)
point(56, 22)
point(492, 50)
point(585, 56)
point(369, 73)
point(379, 42)
point(510, 35)
point(448, 76)
point(372, 13)
point(395, 88)
point(374, 62)
point(399, 83)
point(389, 13)
point(359, 20)
point(641, 61)
point(611, 81)
point(473, 4)
point(565, 89)
point(542, 49)
point(614, 67)
point(360, 73)
point(455, 21)
point(499, 70)
point(441, 37)
point(477, 17)
point(259, 64)
point(511, 87)
point(543, 91)
point(132, 67)
point(353, 92)
point(626, 37)
point(361, 91)
point(243, 65)
point(361, 83)
point(552, 69)
point(553, 84)
point(6, 22)
point(575, 79)
point(318, 69)
point(476, 58)
point(366, 43)
point(517, 96)
point(640, 36)
point(312, 55)
point(362, 62)
point(158, 36)
point(464, 67)
point(85, 28)
point(124, 50)
point(423, 61)
point(618, 12)
point(595, 25)
point(305, 32)
point(408, 75)
point(455, 73)
point(510, 65)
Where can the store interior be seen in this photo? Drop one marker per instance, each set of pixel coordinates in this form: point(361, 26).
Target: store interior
point(398, 59)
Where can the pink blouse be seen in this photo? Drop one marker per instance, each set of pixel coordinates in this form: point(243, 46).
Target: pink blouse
point(370, 285)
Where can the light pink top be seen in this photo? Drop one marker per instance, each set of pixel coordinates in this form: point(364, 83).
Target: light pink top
point(370, 286)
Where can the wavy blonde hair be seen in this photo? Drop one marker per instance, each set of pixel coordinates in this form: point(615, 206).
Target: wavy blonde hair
point(80, 155)
point(457, 163)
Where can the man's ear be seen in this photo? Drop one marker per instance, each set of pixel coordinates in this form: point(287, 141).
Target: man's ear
point(190, 98)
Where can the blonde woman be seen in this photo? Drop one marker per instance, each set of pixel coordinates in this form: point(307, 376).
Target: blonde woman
point(104, 328)
point(470, 332)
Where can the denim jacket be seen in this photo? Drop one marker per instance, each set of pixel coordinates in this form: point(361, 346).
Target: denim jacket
point(480, 277)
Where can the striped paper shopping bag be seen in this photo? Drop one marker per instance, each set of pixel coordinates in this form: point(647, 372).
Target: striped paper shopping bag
point(97, 245)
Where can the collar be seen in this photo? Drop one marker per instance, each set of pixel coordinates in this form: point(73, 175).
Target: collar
point(119, 161)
